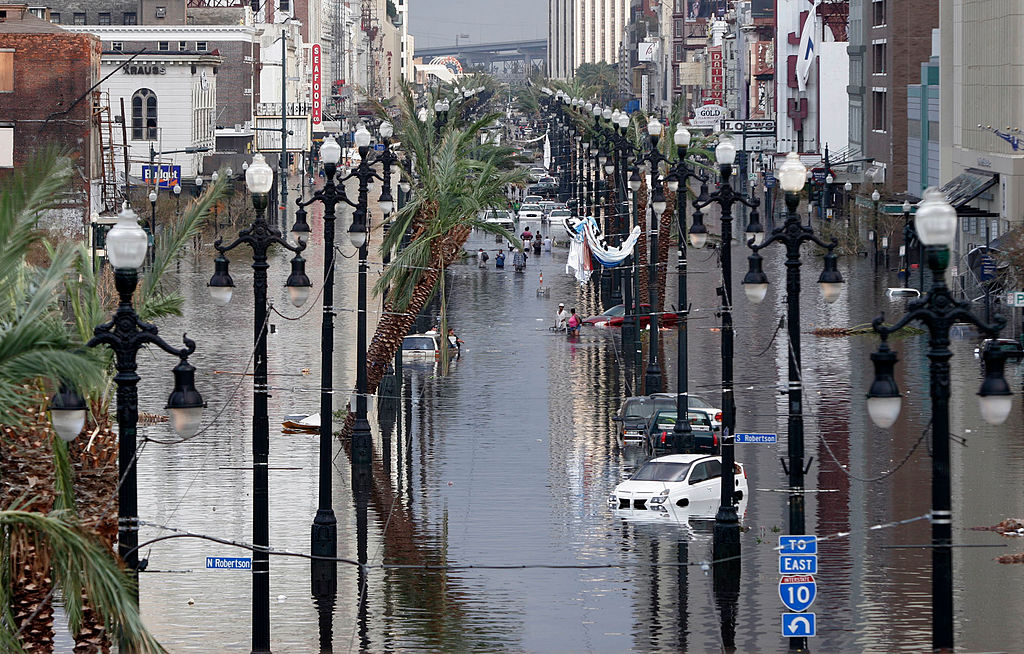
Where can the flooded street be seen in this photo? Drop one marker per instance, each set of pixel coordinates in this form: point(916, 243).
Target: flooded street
point(509, 458)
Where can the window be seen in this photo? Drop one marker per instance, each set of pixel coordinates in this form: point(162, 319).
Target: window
point(144, 115)
point(6, 146)
point(55, 17)
point(914, 129)
point(38, 12)
point(200, 46)
point(677, 27)
point(933, 131)
point(79, 19)
point(104, 18)
point(678, 52)
point(6, 71)
point(129, 18)
point(878, 13)
point(117, 46)
point(879, 117)
point(182, 46)
point(164, 46)
point(878, 54)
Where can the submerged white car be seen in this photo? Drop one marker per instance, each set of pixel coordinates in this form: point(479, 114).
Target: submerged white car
point(531, 212)
point(687, 481)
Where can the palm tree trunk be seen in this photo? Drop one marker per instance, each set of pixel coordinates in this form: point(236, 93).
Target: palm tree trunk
point(664, 234)
point(643, 290)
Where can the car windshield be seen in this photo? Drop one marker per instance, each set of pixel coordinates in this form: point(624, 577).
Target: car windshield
point(558, 213)
point(667, 420)
point(638, 408)
point(617, 310)
point(697, 403)
point(418, 343)
point(661, 471)
point(530, 207)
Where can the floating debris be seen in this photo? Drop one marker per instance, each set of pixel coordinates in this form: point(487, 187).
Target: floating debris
point(857, 330)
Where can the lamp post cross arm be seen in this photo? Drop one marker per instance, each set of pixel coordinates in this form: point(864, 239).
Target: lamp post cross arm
point(259, 236)
point(938, 309)
point(132, 339)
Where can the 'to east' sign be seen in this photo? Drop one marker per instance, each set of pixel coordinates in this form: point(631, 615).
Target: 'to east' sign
point(316, 112)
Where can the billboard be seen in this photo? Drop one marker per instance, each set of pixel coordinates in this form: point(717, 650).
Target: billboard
point(705, 8)
point(167, 175)
point(762, 8)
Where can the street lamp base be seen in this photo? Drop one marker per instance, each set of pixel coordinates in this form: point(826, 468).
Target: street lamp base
point(324, 534)
point(652, 380)
point(726, 533)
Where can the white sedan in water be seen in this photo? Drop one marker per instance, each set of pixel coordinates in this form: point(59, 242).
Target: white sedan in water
point(531, 212)
point(687, 481)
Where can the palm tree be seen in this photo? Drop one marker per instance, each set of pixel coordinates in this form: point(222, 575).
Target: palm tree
point(601, 77)
point(457, 177)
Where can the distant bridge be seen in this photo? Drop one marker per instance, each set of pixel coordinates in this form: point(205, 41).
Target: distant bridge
point(507, 61)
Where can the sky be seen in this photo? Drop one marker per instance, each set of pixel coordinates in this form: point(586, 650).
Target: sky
point(436, 22)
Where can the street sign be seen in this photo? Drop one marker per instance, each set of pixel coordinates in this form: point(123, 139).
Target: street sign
point(988, 268)
point(1015, 299)
point(228, 563)
point(378, 147)
point(798, 544)
point(819, 175)
point(757, 438)
point(769, 181)
point(797, 591)
point(804, 563)
point(798, 625)
point(760, 143)
point(752, 126)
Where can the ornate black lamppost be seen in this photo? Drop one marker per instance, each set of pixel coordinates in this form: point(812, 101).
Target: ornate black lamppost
point(260, 236)
point(125, 335)
point(727, 526)
point(678, 182)
point(792, 234)
point(654, 158)
point(936, 222)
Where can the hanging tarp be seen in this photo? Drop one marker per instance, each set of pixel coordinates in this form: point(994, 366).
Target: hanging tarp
point(547, 152)
point(589, 232)
point(579, 263)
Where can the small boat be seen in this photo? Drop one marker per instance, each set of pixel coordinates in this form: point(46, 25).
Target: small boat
point(304, 423)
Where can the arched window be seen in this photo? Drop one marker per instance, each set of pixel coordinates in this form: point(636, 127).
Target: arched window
point(144, 115)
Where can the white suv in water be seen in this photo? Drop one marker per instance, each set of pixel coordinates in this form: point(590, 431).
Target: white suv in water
point(688, 481)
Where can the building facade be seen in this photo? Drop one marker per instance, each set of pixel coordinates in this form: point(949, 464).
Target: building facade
point(47, 99)
point(584, 32)
point(560, 38)
point(923, 104)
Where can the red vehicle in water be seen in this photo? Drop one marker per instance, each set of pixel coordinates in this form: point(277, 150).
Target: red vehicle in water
point(614, 317)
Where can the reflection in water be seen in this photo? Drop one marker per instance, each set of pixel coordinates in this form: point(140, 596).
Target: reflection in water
point(510, 458)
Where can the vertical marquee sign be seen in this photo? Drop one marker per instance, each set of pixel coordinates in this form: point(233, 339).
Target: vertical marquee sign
point(316, 112)
point(717, 75)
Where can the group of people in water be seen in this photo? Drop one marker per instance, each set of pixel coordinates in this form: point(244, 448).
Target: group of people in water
point(569, 322)
point(536, 242)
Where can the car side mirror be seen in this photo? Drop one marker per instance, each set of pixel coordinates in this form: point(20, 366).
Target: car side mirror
point(616, 419)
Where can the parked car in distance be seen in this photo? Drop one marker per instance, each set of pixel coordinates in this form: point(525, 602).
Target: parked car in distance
point(1010, 347)
point(667, 319)
point(536, 172)
point(543, 189)
point(660, 431)
point(421, 346)
point(547, 206)
point(532, 199)
point(895, 293)
point(691, 481)
point(601, 319)
point(501, 217)
point(696, 403)
point(559, 214)
point(634, 416)
point(530, 212)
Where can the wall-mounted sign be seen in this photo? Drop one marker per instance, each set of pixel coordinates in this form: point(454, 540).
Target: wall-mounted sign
point(708, 115)
point(647, 51)
point(144, 69)
point(717, 91)
point(167, 175)
point(316, 113)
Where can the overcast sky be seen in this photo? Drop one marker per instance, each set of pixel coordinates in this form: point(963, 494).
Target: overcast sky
point(436, 22)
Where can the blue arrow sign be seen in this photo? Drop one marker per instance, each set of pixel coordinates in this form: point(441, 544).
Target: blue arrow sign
point(798, 625)
point(378, 147)
point(798, 544)
point(757, 438)
point(798, 563)
point(769, 181)
point(797, 591)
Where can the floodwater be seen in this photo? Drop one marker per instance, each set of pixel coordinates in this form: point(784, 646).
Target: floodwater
point(509, 459)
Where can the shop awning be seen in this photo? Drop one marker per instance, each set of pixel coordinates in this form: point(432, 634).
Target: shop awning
point(968, 185)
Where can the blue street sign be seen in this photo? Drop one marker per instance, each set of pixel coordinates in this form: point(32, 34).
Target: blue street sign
point(228, 563)
point(798, 625)
point(378, 147)
point(798, 544)
point(769, 181)
point(797, 591)
point(798, 563)
point(757, 438)
point(819, 175)
point(988, 268)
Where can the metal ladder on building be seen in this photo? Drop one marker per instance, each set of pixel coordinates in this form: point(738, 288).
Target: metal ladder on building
point(107, 128)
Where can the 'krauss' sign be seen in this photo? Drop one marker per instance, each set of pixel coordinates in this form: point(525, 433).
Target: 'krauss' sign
point(145, 69)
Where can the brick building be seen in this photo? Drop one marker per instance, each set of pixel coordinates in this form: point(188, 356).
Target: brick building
point(889, 40)
point(46, 98)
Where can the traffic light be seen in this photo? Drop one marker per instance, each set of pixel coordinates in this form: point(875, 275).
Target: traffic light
point(255, 6)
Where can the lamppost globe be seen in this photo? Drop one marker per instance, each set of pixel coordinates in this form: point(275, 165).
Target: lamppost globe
point(221, 285)
point(177, 189)
point(935, 219)
point(386, 129)
point(438, 106)
point(607, 113)
point(127, 241)
point(362, 137)
point(906, 206)
point(615, 117)
point(422, 114)
point(848, 186)
point(152, 197)
point(229, 172)
point(199, 181)
point(298, 283)
point(725, 152)
point(995, 397)
point(185, 403)
point(875, 196)
point(755, 282)
point(245, 166)
point(445, 105)
point(259, 177)
point(214, 177)
point(67, 413)
point(831, 280)
point(623, 120)
point(588, 107)
point(792, 174)
point(654, 127)
point(884, 399)
point(682, 136)
point(829, 179)
point(330, 151)
point(672, 182)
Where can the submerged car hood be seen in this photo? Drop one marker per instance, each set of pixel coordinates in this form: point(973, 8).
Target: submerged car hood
point(651, 487)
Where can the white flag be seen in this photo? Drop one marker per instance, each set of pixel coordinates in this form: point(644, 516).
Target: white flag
point(547, 151)
point(808, 47)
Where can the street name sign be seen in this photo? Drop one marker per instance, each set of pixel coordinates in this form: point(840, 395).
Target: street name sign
point(797, 591)
point(796, 625)
point(757, 438)
point(228, 563)
point(1015, 299)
